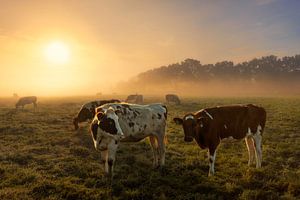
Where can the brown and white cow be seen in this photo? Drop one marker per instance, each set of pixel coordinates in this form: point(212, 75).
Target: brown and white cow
point(122, 122)
point(209, 126)
point(26, 100)
point(172, 98)
point(87, 111)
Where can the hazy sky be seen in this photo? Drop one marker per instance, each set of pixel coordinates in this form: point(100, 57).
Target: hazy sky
point(111, 41)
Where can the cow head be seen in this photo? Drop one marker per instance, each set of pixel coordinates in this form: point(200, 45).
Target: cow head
point(192, 126)
point(105, 127)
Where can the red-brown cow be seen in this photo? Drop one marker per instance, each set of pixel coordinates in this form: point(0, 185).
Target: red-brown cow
point(209, 126)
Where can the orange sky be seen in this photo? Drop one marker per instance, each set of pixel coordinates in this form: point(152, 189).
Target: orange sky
point(111, 41)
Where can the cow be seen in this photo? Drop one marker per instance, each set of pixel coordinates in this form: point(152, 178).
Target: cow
point(172, 98)
point(26, 100)
point(123, 122)
point(135, 98)
point(209, 126)
point(87, 111)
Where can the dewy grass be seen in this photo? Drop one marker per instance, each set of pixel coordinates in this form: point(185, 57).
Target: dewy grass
point(42, 157)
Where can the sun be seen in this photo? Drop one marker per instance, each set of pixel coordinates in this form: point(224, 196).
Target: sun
point(57, 53)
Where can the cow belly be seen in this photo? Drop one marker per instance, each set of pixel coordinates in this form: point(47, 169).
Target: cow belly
point(233, 134)
point(135, 138)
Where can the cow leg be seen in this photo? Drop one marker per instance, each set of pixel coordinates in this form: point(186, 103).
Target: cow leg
point(162, 148)
point(211, 158)
point(112, 149)
point(104, 158)
point(154, 150)
point(251, 151)
point(258, 149)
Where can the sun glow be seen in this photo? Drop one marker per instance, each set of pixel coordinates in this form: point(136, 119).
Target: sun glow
point(57, 53)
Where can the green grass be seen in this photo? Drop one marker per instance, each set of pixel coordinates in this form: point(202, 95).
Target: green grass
point(42, 157)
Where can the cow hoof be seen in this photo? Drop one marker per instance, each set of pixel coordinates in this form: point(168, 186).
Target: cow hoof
point(210, 175)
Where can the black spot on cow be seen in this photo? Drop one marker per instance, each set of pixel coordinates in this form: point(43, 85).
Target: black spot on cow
point(131, 124)
point(126, 106)
point(108, 125)
point(159, 116)
point(145, 126)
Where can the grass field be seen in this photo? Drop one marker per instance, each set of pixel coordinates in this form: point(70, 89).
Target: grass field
point(42, 157)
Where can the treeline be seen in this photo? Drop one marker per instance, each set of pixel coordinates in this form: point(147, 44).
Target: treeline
point(282, 73)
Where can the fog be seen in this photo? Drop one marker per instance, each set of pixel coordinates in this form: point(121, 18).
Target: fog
point(213, 88)
point(110, 42)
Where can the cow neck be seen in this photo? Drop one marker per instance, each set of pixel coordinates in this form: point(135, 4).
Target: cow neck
point(200, 141)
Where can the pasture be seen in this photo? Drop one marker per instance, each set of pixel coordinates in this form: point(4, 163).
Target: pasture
point(42, 157)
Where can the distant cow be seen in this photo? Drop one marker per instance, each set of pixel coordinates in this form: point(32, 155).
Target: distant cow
point(135, 98)
point(172, 98)
point(87, 111)
point(130, 123)
point(209, 126)
point(26, 100)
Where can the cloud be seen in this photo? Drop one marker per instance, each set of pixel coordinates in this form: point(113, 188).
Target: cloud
point(264, 2)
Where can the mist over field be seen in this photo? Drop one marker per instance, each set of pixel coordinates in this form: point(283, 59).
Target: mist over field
point(266, 76)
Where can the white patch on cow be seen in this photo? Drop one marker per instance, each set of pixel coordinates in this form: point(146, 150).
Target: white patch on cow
point(189, 117)
point(259, 128)
point(208, 114)
point(212, 164)
point(257, 143)
point(249, 133)
point(225, 126)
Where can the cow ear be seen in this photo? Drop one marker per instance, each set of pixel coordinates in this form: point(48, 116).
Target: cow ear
point(98, 109)
point(178, 121)
point(100, 115)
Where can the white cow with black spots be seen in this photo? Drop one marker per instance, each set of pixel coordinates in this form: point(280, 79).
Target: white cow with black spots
point(122, 122)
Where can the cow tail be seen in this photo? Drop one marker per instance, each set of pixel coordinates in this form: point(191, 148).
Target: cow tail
point(166, 117)
point(166, 113)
